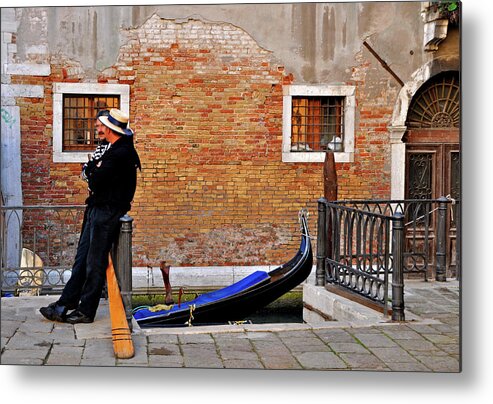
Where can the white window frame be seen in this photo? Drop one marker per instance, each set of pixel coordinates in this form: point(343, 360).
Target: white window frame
point(324, 90)
point(59, 89)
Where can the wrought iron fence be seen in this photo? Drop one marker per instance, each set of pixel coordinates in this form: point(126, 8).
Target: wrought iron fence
point(362, 246)
point(37, 246)
point(432, 232)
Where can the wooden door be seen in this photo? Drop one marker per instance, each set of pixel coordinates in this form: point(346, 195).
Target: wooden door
point(433, 158)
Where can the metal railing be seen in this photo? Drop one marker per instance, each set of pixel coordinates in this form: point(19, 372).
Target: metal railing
point(362, 246)
point(37, 246)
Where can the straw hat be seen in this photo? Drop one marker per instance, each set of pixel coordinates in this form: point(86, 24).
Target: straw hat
point(118, 121)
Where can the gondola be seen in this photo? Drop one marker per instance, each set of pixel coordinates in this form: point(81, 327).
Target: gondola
point(237, 301)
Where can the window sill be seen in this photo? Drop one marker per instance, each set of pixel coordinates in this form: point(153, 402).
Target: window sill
point(316, 157)
point(71, 157)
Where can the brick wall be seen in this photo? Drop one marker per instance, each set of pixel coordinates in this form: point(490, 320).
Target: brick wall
point(206, 107)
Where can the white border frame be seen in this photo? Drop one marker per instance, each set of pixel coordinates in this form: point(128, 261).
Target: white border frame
point(59, 89)
point(329, 90)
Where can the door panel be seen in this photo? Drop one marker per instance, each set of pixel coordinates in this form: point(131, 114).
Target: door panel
point(422, 172)
point(432, 171)
point(452, 188)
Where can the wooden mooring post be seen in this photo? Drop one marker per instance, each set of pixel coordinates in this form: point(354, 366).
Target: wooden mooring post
point(324, 245)
point(330, 177)
point(330, 194)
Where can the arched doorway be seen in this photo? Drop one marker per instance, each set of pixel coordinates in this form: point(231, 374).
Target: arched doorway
point(432, 139)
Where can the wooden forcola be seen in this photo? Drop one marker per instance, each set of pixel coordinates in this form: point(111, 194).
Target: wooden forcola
point(120, 331)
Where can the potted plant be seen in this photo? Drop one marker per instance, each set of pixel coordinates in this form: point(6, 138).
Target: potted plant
point(449, 10)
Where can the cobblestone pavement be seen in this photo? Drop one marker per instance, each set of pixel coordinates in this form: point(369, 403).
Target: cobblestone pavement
point(431, 343)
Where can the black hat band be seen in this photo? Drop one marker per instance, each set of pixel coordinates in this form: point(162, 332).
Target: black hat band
point(116, 122)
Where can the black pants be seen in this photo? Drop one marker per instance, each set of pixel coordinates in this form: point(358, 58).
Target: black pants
point(99, 231)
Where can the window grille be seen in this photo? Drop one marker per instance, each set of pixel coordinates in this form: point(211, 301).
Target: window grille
point(317, 124)
point(79, 115)
point(437, 105)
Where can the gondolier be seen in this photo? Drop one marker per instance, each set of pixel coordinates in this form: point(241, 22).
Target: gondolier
point(112, 181)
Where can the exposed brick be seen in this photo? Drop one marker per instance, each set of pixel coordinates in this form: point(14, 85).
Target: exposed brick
point(206, 106)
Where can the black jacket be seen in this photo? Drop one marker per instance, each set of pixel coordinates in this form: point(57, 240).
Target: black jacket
point(113, 179)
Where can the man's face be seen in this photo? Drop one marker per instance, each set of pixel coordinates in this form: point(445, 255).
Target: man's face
point(100, 130)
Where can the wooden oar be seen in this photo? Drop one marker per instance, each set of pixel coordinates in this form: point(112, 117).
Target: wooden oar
point(122, 338)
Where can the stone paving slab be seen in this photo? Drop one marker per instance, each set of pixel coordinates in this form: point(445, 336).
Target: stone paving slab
point(392, 355)
point(427, 343)
point(320, 360)
point(242, 364)
point(363, 361)
point(64, 355)
point(345, 347)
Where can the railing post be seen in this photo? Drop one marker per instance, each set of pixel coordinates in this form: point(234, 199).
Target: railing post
point(458, 240)
point(398, 269)
point(441, 254)
point(123, 264)
point(321, 242)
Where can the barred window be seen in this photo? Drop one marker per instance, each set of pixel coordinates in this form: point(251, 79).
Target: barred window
point(75, 106)
point(318, 118)
point(79, 114)
point(317, 124)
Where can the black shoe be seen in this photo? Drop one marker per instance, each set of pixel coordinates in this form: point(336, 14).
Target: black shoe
point(77, 317)
point(54, 312)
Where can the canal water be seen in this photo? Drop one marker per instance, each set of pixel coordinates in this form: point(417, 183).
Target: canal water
point(286, 309)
